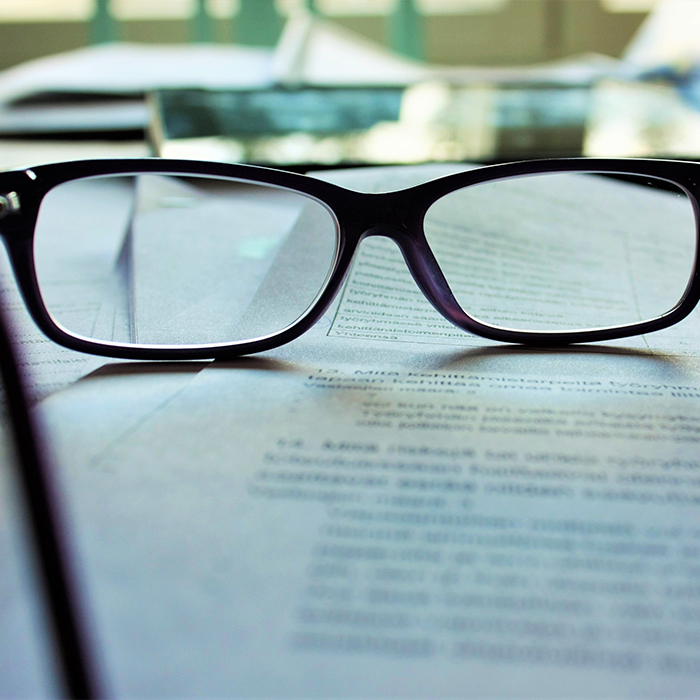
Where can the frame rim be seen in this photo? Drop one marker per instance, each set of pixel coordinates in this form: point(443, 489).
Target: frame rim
point(398, 215)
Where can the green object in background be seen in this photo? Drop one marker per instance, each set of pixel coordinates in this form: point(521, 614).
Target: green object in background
point(103, 27)
point(406, 30)
point(258, 23)
point(200, 27)
point(311, 7)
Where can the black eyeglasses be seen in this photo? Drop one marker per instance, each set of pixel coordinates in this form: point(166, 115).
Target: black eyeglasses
point(161, 259)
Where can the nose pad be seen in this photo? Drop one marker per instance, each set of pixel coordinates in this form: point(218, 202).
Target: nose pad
point(425, 271)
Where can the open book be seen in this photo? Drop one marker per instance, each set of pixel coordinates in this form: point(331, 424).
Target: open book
point(391, 513)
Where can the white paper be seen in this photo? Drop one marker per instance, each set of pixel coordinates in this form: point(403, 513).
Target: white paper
point(118, 69)
point(124, 68)
point(318, 52)
point(567, 251)
point(667, 35)
point(429, 525)
point(313, 51)
point(26, 668)
point(84, 217)
point(47, 366)
point(202, 250)
point(125, 115)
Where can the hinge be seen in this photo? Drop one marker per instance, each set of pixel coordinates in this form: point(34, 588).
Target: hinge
point(9, 204)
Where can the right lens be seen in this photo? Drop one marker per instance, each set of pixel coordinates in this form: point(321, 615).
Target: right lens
point(565, 251)
point(170, 260)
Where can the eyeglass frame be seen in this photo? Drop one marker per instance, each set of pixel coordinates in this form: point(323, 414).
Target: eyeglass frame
point(397, 215)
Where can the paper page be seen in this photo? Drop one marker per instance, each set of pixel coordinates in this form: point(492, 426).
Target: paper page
point(125, 115)
point(361, 517)
point(37, 96)
point(73, 289)
point(26, 668)
point(27, 661)
point(200, 251)
point(494, 241)
point(667, 35)
point(47, 366)
point(123, 68)
point(416, 521)
point(319, 52)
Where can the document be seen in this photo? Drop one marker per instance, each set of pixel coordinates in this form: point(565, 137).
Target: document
point(24, 652)
point(47, 366)
point(102, 88)
point(439, 523)
point(318, 52)
point(224, 252)
point(365, 515)
point(68, 288)
point(568, 251)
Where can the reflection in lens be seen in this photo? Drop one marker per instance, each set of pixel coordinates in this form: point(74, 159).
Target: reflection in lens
point(565, 252)
point(160, 259)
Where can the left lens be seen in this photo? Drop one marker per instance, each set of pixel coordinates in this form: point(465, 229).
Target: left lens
point(565, 251)
point(161, 259)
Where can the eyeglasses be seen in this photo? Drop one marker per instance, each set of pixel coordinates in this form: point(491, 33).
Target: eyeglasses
point(161, 259)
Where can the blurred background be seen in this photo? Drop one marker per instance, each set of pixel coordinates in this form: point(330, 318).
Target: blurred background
point(458, 32)
point(263, 81)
